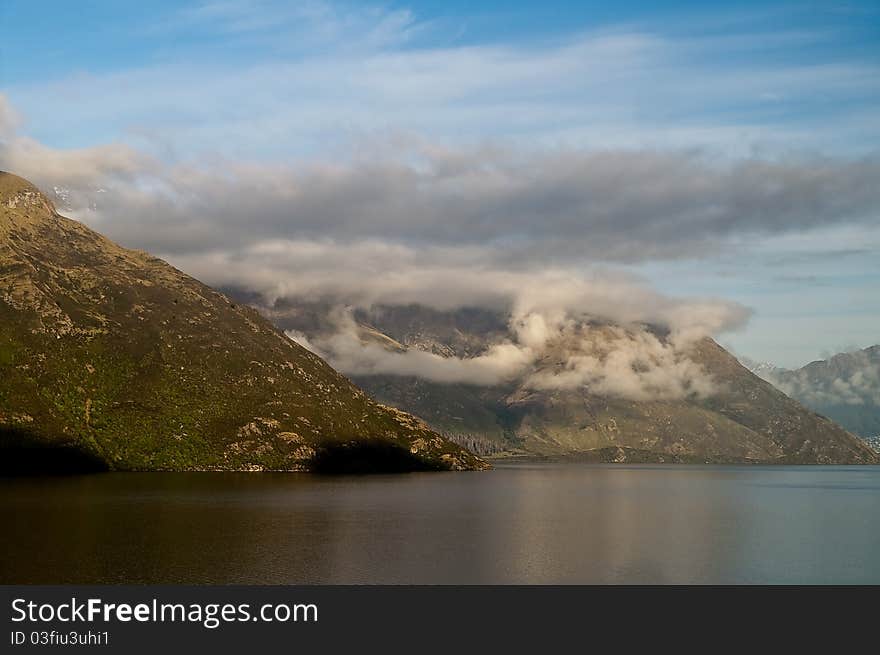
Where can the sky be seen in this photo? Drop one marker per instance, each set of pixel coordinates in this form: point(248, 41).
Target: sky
point(719, 155)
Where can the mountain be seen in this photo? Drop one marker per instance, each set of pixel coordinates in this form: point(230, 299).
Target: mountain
point(845, 387)
point(761, 369)
point(112, 359)
point(744, 419)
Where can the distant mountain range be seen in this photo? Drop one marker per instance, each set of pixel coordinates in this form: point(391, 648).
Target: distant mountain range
point(112, 359)
point(845, 387)
point(741, 418)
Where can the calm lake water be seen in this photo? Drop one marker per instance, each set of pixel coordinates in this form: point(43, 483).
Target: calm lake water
point(536, 523)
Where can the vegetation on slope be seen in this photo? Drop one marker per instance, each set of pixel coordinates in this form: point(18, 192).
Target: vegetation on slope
point(118, 356)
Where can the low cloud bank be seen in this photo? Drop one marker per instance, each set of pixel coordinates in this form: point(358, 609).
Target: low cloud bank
point(354, 351)
point(510, 208)
point(635, 365)
point(553, 351)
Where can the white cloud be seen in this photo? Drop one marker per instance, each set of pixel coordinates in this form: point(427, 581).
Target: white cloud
point(555, 351)
point(631, 364)
point(347, 351)
point(10, 120)
point(519, 231)
point(846, 379)
point(292, 77)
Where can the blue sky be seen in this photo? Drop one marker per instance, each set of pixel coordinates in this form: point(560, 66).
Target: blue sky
point(323, 84)
point(813, 67)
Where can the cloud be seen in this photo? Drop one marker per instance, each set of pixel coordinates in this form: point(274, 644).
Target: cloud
point(271, 78)
point(311, 23)
point(521, 208)
point(631, 364)
point(10, 120)
point(84, 170)
point(377, 273)
point(348, 351)
point(846, 379)
point(559, 351)
point(536, 235)
point(361, 155)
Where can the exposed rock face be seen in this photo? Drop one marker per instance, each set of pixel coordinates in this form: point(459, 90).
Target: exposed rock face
point(744, 420)
point(117, 357)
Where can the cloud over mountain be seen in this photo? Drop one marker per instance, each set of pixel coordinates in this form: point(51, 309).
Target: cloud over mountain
point(630, 362)
point(851, 378)
point(516, 207)
point(536, 234)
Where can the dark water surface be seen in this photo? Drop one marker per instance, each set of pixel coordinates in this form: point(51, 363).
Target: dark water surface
point(536, 523)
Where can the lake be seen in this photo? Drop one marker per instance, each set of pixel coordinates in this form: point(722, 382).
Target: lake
point(520, 523)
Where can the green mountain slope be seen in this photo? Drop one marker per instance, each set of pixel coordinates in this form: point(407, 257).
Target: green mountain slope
point(116, 358)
